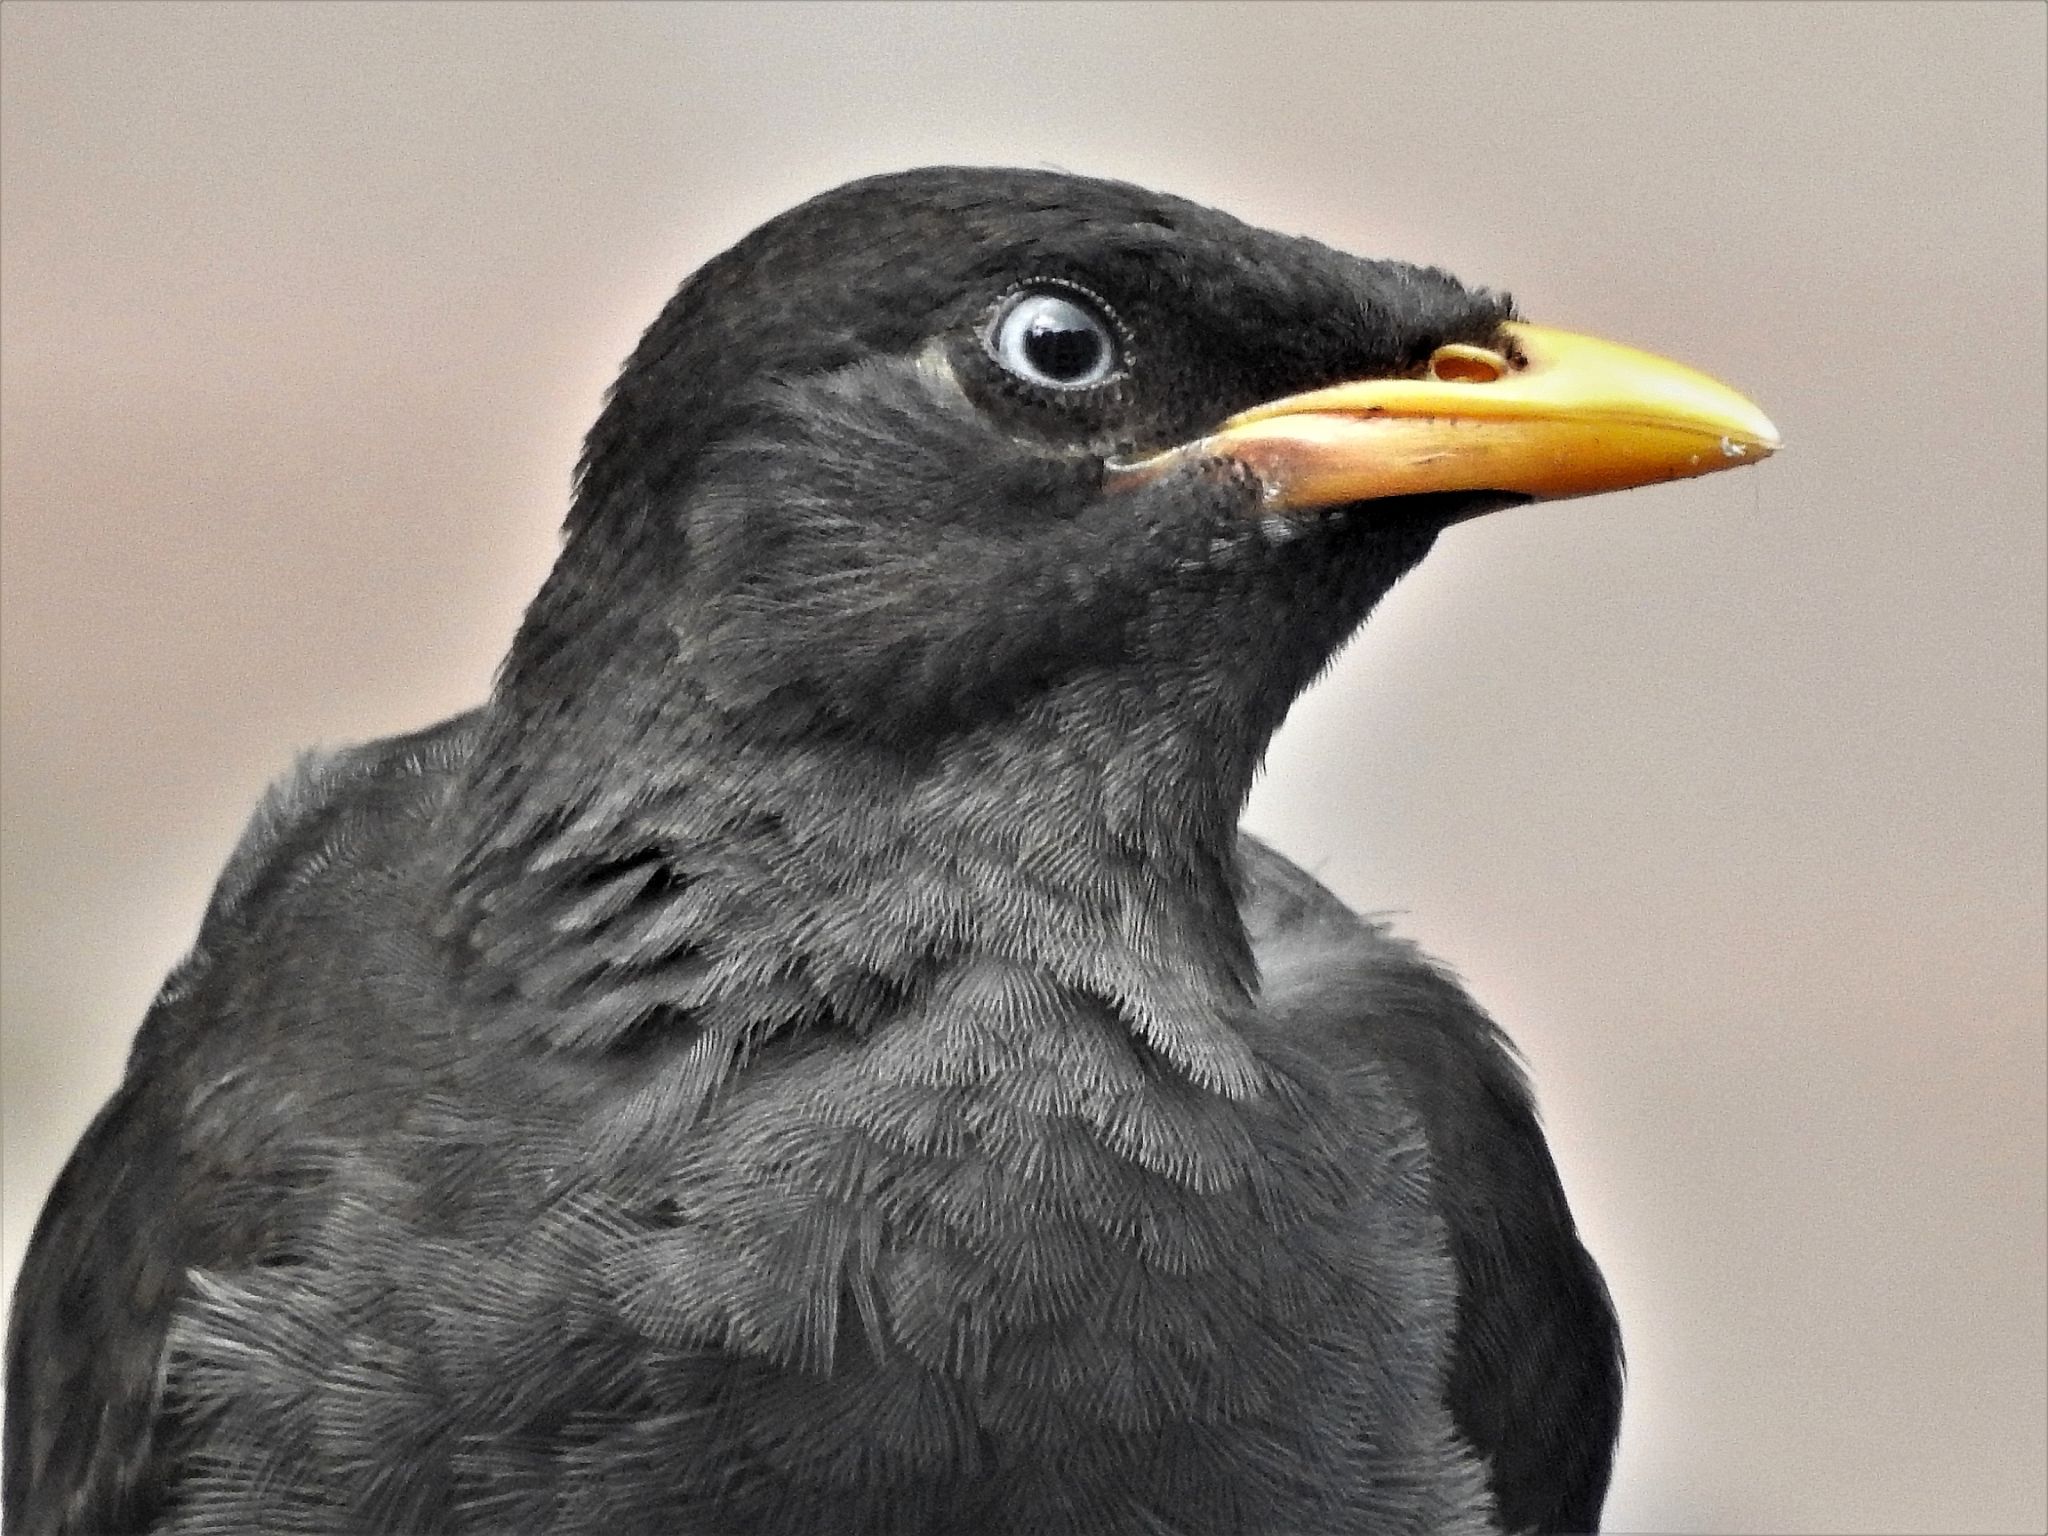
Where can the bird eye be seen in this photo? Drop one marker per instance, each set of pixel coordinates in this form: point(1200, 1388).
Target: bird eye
point(1056, 340)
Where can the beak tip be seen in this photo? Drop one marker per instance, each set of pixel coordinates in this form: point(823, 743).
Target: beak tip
point(1745, 431)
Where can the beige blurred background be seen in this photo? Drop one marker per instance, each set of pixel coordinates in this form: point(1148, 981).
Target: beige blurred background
point(1726, 796)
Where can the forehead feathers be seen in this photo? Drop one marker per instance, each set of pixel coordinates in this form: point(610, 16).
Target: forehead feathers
point(879, 266)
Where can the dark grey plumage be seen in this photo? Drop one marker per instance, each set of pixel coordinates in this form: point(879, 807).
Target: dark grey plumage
point(813, 1051)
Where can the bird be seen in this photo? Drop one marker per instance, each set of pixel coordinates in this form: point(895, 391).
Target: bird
point(814, 1050)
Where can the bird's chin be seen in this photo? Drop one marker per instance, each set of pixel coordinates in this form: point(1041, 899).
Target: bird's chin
point(1445, 508)
point(1432, 512)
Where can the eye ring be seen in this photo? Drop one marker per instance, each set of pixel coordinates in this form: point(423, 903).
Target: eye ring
point(1056, 336)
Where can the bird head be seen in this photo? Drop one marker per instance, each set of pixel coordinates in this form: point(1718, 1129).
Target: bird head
point(948, 551)
point(935, 443)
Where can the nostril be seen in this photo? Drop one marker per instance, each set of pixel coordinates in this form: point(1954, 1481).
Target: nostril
point(1466, 365)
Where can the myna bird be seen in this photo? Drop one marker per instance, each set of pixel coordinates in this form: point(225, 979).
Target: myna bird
point(814, 1053)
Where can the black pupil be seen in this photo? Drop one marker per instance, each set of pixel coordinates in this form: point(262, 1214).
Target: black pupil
point(1062, 344)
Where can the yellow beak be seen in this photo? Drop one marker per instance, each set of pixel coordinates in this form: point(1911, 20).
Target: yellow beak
point(1548, 414)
